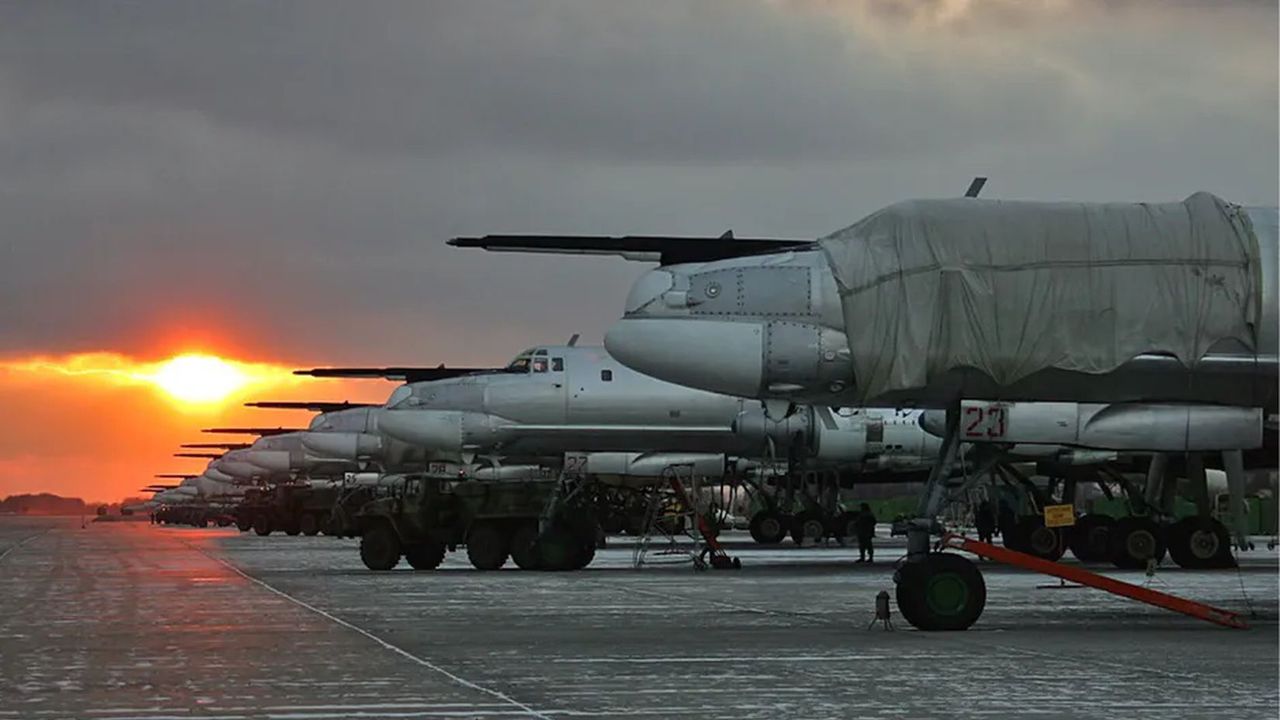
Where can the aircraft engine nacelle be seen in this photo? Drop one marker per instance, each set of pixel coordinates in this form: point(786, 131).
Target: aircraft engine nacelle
point(443, 430)
point(756, 428)
point(342, 445)
point(651, 465)
point(1121, 426)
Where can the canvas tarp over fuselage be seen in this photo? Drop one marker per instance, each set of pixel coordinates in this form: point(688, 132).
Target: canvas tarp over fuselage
point(1012, 288)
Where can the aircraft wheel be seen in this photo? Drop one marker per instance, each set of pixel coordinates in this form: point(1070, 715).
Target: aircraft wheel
point(1200, 544)
point(262, 525)
point(768, 527)
point(487, 546)
point(380, 547)
point(1044, 542)
point(1089, 538)
point(524, 546)
point(425, 555)
point(309, 525)
point(807, 529)
point(942, 592)
point(244, 524)
point(1135, 540)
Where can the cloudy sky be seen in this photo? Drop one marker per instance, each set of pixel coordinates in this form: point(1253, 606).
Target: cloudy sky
point(275, 181)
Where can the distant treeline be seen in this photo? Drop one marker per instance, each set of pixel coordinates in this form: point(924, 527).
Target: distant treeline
point(49, 504)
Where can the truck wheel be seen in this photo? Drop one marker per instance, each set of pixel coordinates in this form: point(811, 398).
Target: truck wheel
point(1089, 537)
point(425, 556)
point(524, 546)
point(309, 525)
point(487, 546)
point(559, 549)
point(262, 525)
point(244, 524)
point(585, 557)
point(380, 547)
point(1135, 540)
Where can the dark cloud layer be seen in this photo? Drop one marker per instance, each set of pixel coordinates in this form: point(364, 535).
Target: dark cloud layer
point(283, 175)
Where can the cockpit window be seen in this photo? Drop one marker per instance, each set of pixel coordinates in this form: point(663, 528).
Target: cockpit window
point(557, 364)
point(318, 422)
point(541, 351)
point(402, 393)
point(540, 364)
point(520, 364)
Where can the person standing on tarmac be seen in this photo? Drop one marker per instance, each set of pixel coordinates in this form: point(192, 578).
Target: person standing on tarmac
point(865, 525)
point(984, 519)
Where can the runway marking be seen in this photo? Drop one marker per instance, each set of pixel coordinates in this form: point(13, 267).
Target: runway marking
point(393, 648)
point(22, 542)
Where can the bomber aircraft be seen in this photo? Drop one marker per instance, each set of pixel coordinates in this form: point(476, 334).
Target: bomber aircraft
point(1118, 326)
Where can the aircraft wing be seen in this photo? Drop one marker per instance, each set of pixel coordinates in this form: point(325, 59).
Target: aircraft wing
point(402, 374)
point(174, 476)
point(210, 456)
point(619, 431)
point(312, 405)
point(216, 446)
point(664, 249)
point(262, 431)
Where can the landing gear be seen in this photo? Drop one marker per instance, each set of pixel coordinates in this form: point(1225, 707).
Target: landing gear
point(380, 547)
point(942, 591)
point(423, 556)
point(1090, 538)
point(807, 529)
point(769, 527)
point(1036, 539)
point(1200, 543)
point(1134, 541)
point(487, 546)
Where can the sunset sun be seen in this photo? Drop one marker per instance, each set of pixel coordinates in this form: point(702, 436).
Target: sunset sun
point(199, 378)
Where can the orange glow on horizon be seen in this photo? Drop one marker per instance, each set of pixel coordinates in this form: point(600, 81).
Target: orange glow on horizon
point(193, 380)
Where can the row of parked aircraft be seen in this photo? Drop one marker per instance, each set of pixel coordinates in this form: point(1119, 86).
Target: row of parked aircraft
point(947, 341)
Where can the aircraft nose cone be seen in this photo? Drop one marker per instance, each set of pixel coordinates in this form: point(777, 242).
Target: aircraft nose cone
point(719, 356)
point(269, 460)
point(342, 445)
point(423, 428)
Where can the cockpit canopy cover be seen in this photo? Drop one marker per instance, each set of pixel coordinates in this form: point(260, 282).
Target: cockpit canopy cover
point(1011, 288)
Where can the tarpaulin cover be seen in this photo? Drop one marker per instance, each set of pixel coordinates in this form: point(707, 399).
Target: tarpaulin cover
point(1011, 288)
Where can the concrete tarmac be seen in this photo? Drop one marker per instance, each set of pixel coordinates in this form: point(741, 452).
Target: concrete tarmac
point(127, 620)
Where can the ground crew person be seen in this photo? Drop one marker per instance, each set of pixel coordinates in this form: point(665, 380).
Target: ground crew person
point(865, 525)
point(985, 521)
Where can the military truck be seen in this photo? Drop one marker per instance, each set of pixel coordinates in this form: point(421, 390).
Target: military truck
point(529, 515)
point(298, 507)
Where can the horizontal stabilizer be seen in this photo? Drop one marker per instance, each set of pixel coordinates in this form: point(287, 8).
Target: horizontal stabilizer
point(157, 488)
point(264, 432)
point(216, 446)
point(667, 250)
point(312, 405)
point(402, 374)
point(174, 476)
point(211, 456)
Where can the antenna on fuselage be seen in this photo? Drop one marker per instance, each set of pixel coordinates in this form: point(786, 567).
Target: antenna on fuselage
point(573, 341)
point(975, 187)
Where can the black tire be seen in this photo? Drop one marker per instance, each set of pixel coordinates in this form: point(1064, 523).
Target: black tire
point(942, 592)
point(1089, 538)
point(1043, 542)
point(487, 546)
point(524, 546)
point(807, 527)
point(1200, 543)
point(244, 524)
point(844, 527)
point(262, 525)
point(380, 547)
point(1135, 540)
point(768, 527)
point(559, 549)
point(585, 557)
point(425, 556)
point(308, 525)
